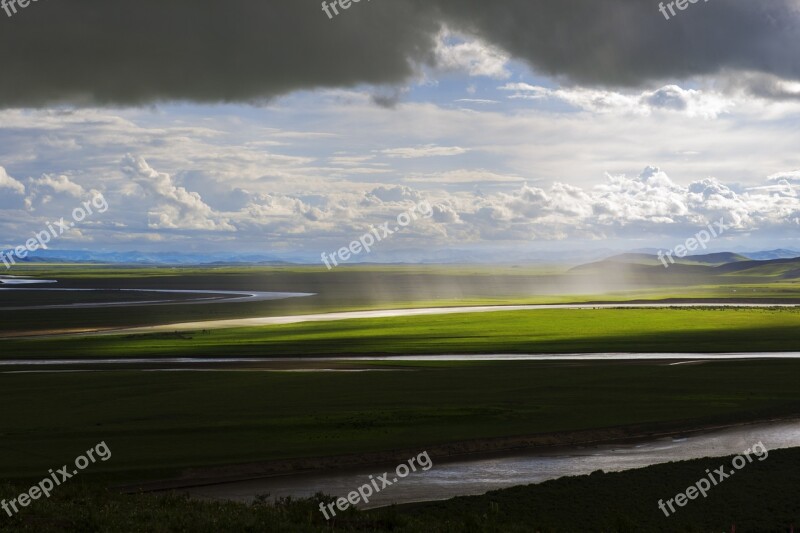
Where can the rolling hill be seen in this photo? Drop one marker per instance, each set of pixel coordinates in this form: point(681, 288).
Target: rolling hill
point(708, 265)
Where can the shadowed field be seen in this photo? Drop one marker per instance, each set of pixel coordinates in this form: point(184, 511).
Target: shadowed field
point(165, 421)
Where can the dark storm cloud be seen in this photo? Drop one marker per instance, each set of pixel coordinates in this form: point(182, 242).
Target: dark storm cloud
point(133, 52)
point(140, 51)
point(629, 42)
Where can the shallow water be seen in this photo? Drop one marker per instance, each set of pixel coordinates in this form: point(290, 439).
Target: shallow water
point(200, 296)
point(19, 281)
point(190, 363)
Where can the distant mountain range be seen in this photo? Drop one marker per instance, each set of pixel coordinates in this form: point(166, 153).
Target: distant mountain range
point(773, 254)
point(443, 256)
point(652, 259)
point(148, 258)
point(378, 256)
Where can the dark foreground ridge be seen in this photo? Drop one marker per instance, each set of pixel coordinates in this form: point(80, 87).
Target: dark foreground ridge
point(762, 497)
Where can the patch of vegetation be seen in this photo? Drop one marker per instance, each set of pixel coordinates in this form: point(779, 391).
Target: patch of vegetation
point(158, 423)
point(655, 330)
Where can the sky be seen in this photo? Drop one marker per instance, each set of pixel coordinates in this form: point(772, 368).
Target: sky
point(526, 125)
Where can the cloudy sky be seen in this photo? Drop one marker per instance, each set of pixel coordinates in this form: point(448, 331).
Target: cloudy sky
point(269, 128)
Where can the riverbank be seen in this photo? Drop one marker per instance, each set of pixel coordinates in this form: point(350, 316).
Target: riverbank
point(497, 448)
point(762, 497)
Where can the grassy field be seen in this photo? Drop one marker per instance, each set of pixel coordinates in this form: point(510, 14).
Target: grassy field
point(158, 423)
point(536, 331)
point(359, 288)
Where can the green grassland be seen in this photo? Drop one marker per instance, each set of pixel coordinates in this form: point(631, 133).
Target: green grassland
point(648, 330)
point(371, 287)
point(158, 423)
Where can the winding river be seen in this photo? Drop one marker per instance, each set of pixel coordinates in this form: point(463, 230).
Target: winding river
point(479, 475)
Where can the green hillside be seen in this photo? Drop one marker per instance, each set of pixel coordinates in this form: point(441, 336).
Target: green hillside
point(709, 265)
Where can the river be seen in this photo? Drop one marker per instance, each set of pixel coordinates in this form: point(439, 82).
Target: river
point(481, 474)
